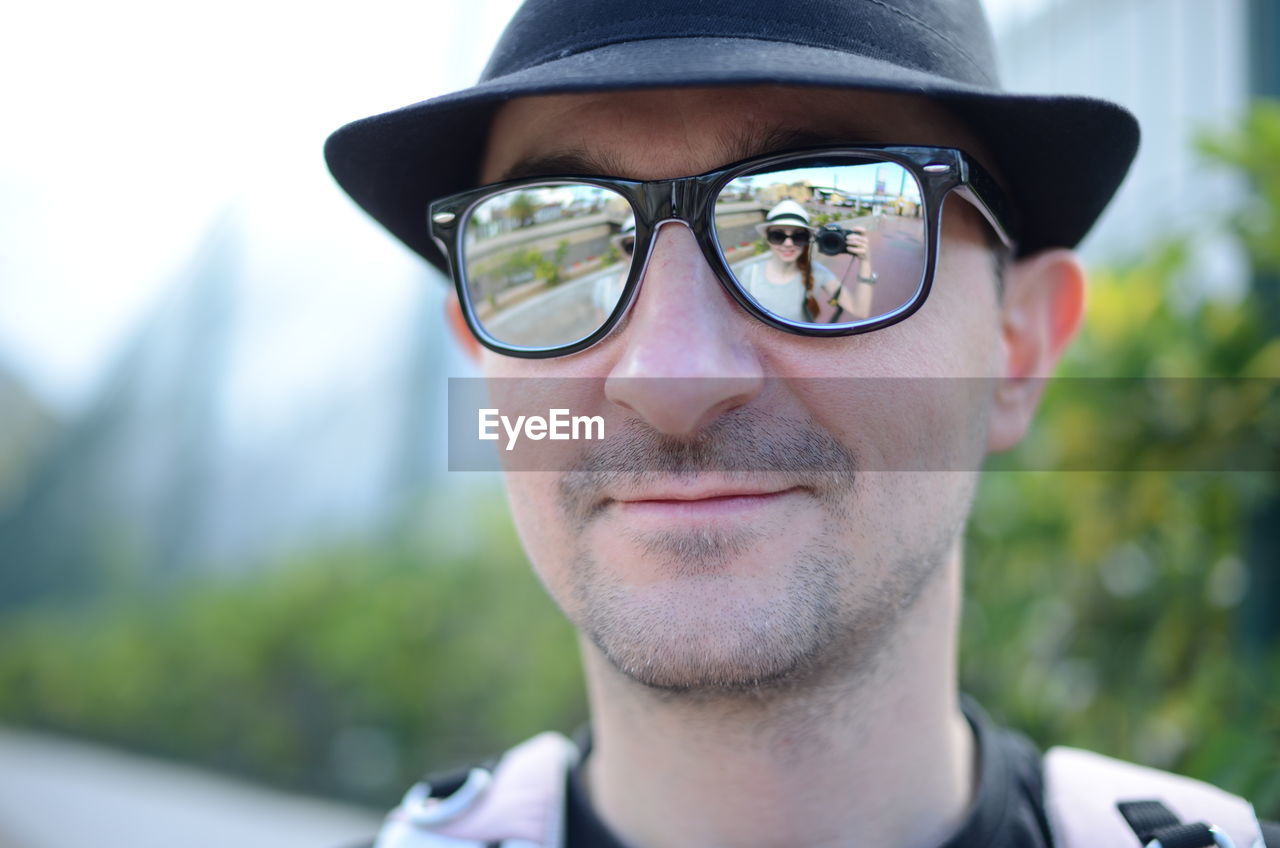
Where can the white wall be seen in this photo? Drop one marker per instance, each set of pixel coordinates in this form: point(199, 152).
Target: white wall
point(1178, 65)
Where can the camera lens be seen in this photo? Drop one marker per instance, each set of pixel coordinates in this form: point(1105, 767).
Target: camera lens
point(831, 239)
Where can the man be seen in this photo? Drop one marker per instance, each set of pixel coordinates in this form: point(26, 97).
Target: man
point(764, 558)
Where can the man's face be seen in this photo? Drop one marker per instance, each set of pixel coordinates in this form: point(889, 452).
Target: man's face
point(689, 576)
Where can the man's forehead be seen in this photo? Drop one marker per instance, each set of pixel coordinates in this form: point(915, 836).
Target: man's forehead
point(662, 133)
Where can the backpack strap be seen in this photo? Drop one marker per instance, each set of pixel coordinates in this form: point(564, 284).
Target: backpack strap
point(520, 804)
point(1097, 802)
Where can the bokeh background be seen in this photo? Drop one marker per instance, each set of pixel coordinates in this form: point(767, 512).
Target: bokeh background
point(237, 584)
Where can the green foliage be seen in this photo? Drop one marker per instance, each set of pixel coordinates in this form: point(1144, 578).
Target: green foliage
point(1254, 150)
point(548, 269)
point(522, 209)
point(345, 673)
point(612, 256)
point(513, 265)
point(516, 263)
point(1104, 606)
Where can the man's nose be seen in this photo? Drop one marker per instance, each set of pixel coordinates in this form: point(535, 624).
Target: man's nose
point(685, 358)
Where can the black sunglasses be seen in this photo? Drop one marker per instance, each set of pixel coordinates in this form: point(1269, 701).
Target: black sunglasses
point(799, 238)
point(538, 274)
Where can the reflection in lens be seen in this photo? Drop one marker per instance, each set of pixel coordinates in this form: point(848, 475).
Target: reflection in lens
point(777, 235)
point(867, 256)
point(542, 266)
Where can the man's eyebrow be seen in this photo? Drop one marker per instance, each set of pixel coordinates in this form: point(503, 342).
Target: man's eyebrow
point(736, 144)
point(566, 163)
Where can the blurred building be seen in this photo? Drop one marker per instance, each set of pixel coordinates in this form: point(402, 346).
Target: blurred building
point(1185, 68)
point(253, 415)
point(1181, 66)
point(26, 428)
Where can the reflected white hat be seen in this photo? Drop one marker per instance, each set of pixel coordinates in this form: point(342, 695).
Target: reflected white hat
point(788, 212)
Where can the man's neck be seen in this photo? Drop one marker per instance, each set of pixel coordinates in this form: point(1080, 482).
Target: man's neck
point(882, 756)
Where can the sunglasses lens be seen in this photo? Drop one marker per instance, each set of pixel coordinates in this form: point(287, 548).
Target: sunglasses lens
point(541, 267)
point(799, 238)
point(869, 232)
point(627, 245)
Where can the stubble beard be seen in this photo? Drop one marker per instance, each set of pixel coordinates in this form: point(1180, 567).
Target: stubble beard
point(815, 631)
point(822, 612)
point(672, 639)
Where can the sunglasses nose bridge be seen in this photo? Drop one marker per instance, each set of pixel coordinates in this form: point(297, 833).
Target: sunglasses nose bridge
point(683, 200)
point(660, 201)
point(693, 199)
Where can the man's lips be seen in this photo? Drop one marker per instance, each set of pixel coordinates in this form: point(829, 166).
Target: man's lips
point(709, 502)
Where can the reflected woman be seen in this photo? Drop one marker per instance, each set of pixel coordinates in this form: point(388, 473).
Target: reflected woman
point(789, 284)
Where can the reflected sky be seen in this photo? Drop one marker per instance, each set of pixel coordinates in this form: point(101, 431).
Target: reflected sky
point(854, 180)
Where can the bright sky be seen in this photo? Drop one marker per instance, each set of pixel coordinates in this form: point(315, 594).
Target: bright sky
point(853, 180)
point(131, 126)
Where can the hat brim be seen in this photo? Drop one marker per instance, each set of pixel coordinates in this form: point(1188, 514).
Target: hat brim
point(793, 223)
point(1061, 157)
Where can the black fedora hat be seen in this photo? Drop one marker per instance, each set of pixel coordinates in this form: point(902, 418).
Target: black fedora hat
point(1062, 157)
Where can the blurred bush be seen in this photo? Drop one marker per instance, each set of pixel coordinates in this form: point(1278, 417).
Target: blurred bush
point(345, 674)
point(1254, 149)
point(1104, 606)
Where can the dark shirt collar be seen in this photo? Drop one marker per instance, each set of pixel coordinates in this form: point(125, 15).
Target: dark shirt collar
point(1007, 811)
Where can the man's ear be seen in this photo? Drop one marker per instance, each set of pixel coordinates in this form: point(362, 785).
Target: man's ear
point(1040, 313)
point(458, 325)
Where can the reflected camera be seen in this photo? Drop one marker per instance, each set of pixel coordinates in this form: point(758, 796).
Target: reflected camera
point(831, 239)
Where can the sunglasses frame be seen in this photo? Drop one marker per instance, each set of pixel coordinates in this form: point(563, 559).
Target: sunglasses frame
point(938, 171)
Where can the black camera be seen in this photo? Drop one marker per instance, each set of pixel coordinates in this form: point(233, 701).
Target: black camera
point(831, 239)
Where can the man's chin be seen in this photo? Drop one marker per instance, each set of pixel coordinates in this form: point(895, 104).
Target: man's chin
point(708, 677)
point(714, 633)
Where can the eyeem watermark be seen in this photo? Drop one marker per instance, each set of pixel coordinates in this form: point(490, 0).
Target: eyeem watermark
point(559, 425)
point(1211, 424)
